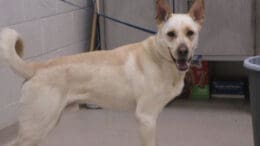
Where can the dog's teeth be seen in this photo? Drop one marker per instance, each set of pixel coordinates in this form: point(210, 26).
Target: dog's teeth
point(182, 65)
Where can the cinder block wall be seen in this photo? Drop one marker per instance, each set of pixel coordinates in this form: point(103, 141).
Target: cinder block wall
point(50, 28)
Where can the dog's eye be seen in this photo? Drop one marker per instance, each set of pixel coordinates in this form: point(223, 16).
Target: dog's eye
point(190, 33)
point(171, 34)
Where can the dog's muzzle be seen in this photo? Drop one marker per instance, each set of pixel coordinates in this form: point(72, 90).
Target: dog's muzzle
point(182, 62)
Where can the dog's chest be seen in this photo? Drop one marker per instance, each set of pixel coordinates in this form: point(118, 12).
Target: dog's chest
point(162, 81)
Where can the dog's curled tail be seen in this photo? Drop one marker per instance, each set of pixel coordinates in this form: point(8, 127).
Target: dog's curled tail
point(11, 50)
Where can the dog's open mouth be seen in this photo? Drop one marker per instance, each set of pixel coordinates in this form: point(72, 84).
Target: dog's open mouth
point(182, 64)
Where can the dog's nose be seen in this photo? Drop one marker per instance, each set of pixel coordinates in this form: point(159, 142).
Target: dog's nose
point(182, 50)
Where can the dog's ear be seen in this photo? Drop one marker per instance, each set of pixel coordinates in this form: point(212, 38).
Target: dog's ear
point(163, 11)
point(197, 11)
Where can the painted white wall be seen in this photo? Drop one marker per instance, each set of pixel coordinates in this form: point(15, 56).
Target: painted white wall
point(50, 28)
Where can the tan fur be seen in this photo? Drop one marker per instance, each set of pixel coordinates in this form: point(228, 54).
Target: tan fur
point(197, 11)
point(141, 77)
point(163, 11)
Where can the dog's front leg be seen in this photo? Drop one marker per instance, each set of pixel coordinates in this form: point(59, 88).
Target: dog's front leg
point(147, 115)
point(147, 128)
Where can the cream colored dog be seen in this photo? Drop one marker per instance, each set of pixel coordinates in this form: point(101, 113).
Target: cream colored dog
point(142, 77)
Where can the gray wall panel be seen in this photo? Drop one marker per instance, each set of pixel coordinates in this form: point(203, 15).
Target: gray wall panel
point(138, 12)
point(229, 28)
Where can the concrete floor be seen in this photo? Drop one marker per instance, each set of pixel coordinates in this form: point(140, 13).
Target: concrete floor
point(183, 123)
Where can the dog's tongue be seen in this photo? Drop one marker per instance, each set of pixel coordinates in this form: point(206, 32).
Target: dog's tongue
point(182, 65)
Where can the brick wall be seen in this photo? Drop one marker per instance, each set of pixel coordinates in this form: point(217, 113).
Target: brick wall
point(50, 28)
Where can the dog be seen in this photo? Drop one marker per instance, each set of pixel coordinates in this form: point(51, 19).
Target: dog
point(142, 77)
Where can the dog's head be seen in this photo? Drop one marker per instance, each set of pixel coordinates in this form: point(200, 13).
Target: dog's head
point(178, 33)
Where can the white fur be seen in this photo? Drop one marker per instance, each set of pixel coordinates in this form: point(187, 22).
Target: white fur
point(8, 39)
point(178, 23)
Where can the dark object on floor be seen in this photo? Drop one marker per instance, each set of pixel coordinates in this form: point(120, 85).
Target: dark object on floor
point(229, 88)
point(253, 65)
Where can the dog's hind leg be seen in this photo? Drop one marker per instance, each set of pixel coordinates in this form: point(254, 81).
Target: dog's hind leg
point(41, 110)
